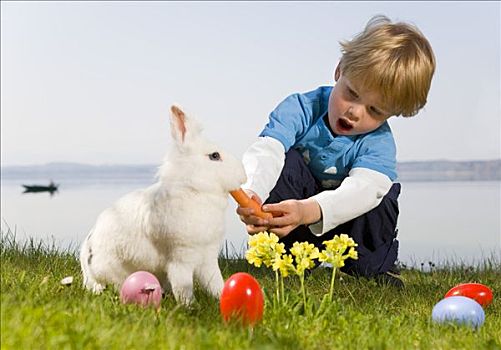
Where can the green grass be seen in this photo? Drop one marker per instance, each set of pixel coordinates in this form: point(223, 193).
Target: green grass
point(37, 312)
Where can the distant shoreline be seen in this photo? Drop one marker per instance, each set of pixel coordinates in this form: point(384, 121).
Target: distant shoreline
point(413, 171)
point(442, 170)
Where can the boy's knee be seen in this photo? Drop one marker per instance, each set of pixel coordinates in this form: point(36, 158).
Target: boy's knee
point(383, 218)
point(394, 192)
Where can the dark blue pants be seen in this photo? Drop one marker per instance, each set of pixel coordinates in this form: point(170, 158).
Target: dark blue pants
point(374, 231)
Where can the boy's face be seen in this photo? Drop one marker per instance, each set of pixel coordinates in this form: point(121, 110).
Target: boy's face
point(354, 110)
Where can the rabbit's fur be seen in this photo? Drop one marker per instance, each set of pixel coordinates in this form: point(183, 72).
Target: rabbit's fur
point(174, 228)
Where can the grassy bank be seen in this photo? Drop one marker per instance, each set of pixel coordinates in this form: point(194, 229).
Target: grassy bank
point(37, 312)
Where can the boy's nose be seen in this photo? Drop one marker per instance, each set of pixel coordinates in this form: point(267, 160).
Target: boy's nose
point(353, 113)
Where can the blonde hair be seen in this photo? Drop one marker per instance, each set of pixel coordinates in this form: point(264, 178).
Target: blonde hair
point(394, 59)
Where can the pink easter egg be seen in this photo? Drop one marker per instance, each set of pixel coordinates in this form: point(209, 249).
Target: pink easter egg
point(141, 288)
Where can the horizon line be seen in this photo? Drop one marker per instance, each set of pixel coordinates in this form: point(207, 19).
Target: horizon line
point(159, 163)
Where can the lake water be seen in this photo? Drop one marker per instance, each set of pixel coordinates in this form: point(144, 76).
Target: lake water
point(438, 222)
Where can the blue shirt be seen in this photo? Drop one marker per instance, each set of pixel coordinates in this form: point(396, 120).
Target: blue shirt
point(299, 122)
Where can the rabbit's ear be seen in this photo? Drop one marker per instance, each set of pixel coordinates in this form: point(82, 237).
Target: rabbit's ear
point(178, 123)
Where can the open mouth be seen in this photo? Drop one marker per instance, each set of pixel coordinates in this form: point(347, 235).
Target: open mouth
point(344, 125)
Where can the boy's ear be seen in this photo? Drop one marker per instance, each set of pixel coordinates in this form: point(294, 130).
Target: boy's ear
point(337, 73)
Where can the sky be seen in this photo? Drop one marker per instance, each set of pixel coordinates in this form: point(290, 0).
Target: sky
point(92, 82)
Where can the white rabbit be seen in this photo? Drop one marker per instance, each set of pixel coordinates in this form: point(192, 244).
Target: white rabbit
point(174, 228)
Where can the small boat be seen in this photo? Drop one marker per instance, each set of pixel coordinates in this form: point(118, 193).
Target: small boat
point(40, 188)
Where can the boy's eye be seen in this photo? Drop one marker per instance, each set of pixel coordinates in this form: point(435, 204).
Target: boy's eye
point(352, 93)
point(215, 156)
point(375, 111)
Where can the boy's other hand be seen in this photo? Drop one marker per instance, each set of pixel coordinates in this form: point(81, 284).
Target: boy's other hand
point(254, 224)
point(294, 213)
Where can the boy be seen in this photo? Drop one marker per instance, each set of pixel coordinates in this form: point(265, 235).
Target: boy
point(326, 160)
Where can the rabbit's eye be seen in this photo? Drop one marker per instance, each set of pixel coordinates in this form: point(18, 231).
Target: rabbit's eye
point(215, 156)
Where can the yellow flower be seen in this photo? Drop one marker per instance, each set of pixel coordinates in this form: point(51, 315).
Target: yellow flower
point(338, 261)
point(353, 253)
point(283, 264)
point(304, 254)
point(253, 258)
point(335, 248)
point(263, 249)
point(257, 239)
point(347, 241)
point(333, 254)
point(279, 248)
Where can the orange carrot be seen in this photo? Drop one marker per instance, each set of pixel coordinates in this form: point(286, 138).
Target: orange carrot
point(246, 202)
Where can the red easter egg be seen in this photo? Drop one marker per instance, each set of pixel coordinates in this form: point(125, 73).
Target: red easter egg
point(476, 291)
point(242, 298)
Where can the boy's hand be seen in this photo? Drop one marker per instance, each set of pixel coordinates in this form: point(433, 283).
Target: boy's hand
point(254, 224)
point(294, 213)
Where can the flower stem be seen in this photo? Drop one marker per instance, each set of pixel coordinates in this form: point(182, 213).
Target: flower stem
point(332, 283)
point(277, 287)
point(303, 290)
point(282, 289)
